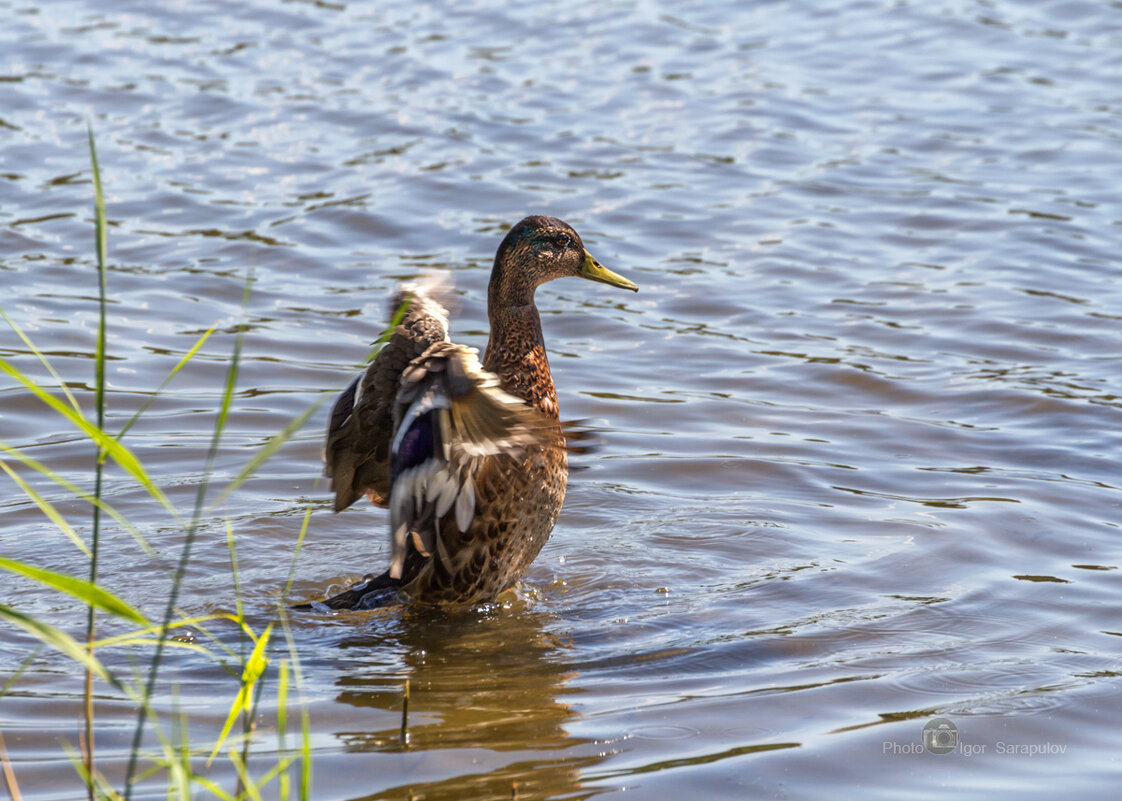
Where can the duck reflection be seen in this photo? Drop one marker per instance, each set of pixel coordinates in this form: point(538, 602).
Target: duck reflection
point(491, 679)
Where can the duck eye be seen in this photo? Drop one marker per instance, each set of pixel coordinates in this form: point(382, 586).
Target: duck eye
point(564, 240)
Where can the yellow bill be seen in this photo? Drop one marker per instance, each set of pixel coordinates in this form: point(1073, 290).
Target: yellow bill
point(595, 271)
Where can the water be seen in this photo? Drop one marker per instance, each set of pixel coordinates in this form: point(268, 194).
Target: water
point(861, 423)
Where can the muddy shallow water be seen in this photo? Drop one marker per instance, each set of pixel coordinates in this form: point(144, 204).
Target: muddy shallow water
point(861, 426)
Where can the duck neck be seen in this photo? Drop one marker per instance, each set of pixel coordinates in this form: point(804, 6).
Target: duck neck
point(516, 354)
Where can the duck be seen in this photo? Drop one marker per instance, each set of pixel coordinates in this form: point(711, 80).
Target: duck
point(468, 455)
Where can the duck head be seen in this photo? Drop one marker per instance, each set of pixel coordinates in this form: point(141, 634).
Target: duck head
point(540, 249)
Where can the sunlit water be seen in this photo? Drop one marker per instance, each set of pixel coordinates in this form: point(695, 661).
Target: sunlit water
point(861, 425)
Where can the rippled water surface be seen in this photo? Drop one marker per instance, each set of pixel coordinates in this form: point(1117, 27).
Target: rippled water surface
point(861, 425)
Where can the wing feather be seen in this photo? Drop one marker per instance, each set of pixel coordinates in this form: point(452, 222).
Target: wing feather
point(476, 422)
point(361, 426)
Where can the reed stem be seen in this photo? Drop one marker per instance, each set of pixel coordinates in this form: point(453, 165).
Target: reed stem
point(99, 402)
point(405, 716)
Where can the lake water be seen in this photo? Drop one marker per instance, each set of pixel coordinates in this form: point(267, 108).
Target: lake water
point(861, 426)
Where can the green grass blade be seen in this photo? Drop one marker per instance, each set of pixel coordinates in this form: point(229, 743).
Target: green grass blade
point(80, 767)
point(245, 779)
point(84, 591)
point(266, 452)
point(99, 358)
point(279, 769)
point(179, 766)
point(305, 724)
point(213, 788)
point(24, 665)
point(181, 750)
point(77, 491)
point(152, 770)
point(99, 204)
point(197, 623)
point(42, 359)
point(138, 635)
point(252, 671)
point(231, 380)
point(188, 540)
point(102, 257)
point(283, 785)
point(167, 379)
point(296, 556)
point(104, 791)
point(305, 756)
point(282, 705)
point(116, 450)
point(60, 641)
point(46, 507)
point(99, 466)
point(251, 713)
point(137, 640)
point(234, 570)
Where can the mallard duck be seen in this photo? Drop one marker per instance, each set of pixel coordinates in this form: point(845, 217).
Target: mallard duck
point(469, 457)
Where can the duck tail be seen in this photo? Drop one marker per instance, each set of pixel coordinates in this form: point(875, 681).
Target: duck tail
point(430, 294)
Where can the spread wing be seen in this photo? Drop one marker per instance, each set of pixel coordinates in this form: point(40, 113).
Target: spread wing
point(361, 426)
point(451, 418)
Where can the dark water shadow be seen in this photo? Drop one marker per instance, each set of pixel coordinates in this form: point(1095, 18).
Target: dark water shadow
point(487, 693)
